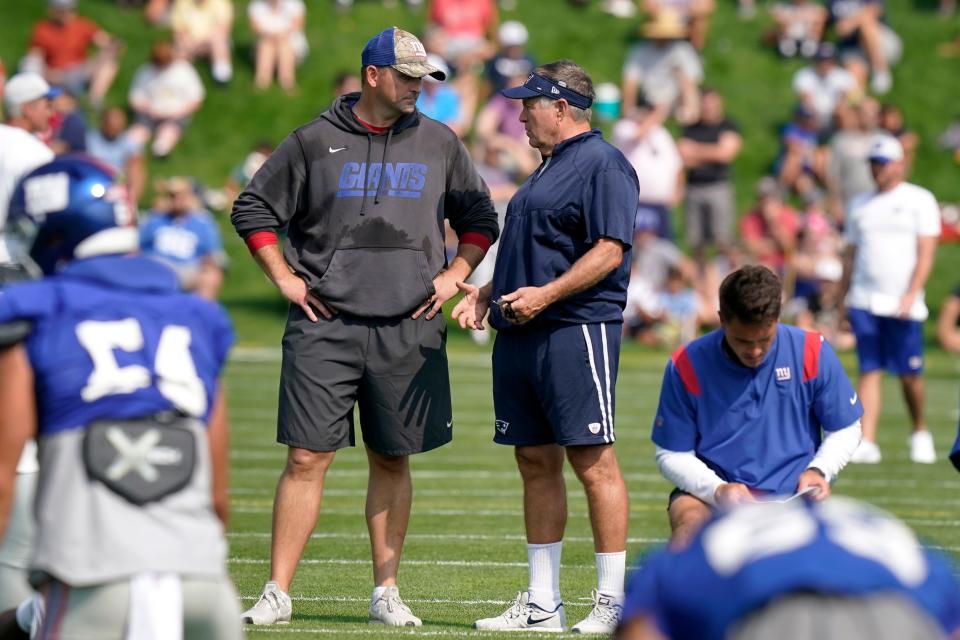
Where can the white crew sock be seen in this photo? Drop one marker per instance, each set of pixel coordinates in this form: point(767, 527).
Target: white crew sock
point(610, 571)
point(543, 561)
point(377, 592)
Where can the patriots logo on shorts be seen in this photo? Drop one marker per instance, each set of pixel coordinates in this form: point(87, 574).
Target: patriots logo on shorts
point(502, 426)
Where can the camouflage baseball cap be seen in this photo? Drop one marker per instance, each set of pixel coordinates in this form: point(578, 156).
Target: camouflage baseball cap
point(401, 50)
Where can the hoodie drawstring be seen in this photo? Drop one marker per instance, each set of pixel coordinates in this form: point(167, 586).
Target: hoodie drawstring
point(383, 166)
point(366, 173)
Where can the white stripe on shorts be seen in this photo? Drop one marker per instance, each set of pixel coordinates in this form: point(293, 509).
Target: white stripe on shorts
point(606, 379)
point(596, 380)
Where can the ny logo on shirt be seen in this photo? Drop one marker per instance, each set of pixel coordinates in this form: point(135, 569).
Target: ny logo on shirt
point(783, 374)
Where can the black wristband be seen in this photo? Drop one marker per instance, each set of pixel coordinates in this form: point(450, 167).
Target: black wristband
point(822, 474)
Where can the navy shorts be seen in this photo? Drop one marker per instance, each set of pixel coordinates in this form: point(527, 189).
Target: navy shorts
point(893, 344)
point(556, 384)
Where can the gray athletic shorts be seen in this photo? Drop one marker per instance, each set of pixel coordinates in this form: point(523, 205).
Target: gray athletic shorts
point(395, 370)
point(708, 214)
point(211, 610)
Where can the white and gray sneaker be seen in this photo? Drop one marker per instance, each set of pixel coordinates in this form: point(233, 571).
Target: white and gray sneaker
point(604, 616)
point(921, 447)
point(390, 610)
point(273, 607)
point(524, 615)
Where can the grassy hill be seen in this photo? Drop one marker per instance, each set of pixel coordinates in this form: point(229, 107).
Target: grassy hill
point(755, 82)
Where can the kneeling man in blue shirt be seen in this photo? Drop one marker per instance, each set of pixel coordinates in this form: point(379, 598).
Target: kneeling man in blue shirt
point(755, 408)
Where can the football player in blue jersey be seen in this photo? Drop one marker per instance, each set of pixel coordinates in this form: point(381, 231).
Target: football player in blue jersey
point(834, 570)
point(116, 374)
point(753, 408)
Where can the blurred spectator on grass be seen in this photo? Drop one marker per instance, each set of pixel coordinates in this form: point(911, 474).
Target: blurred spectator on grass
point(847, 173)
point(462, 31)
point(72, 51)
point(281, 42)
point(819, 308)
point(948, 322)
point(346, 82)
point(499, 129)
point(185, 236)
point(511, 60)
point(893, 122)
point(821, 86)
point(201, 29)
point(653, 153)
point(798, 27)
point(68, 125)
point(695, 14)
point(797, 166)
point(709, 147)
point(868, 45)
point(244, 172)
point(769, 230)
point(113, 144)
point(164, 95)
point(157, 12)
point(445, 101)
point(664, 69)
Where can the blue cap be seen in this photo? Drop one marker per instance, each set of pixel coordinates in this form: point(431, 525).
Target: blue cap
point(541, 86)
point(401, 50)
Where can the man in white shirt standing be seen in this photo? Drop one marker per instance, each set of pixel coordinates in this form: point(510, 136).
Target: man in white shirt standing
point(27, 102)
point(891, 237)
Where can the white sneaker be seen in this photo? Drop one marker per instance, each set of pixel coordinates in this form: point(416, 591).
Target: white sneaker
point(390, 610)
point(604, 616)
point(921, 447)
point(273, 607)
point(524, 615)
point(867, 453)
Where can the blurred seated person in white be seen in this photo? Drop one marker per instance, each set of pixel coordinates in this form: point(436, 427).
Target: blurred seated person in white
point(165, 93)
point(186, 238)
point(281, 43)
point(820, 87)
point(653, 154)
point(201, 29)
point(665, 69)
point(112, 143)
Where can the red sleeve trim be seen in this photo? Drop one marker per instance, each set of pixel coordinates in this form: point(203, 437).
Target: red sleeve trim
point(811, 355)
point(681, 360)
point(260, 239)
point(477, 239)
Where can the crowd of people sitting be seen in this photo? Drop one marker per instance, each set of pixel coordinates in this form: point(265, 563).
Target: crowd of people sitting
point(793, 226)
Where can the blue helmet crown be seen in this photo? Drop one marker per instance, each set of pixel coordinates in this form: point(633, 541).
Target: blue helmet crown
point(73, 207)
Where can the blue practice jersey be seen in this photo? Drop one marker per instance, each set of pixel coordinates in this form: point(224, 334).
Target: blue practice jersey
point(759, 552)
point(585, 191)
point(758, 426)
point(112, 337)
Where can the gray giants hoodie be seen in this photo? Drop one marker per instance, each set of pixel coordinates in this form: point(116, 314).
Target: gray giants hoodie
point(364, 213)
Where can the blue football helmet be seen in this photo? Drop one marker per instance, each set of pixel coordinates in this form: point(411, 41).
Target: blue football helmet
point(73, 207)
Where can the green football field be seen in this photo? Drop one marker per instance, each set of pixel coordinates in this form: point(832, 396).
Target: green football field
point(465, 555)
